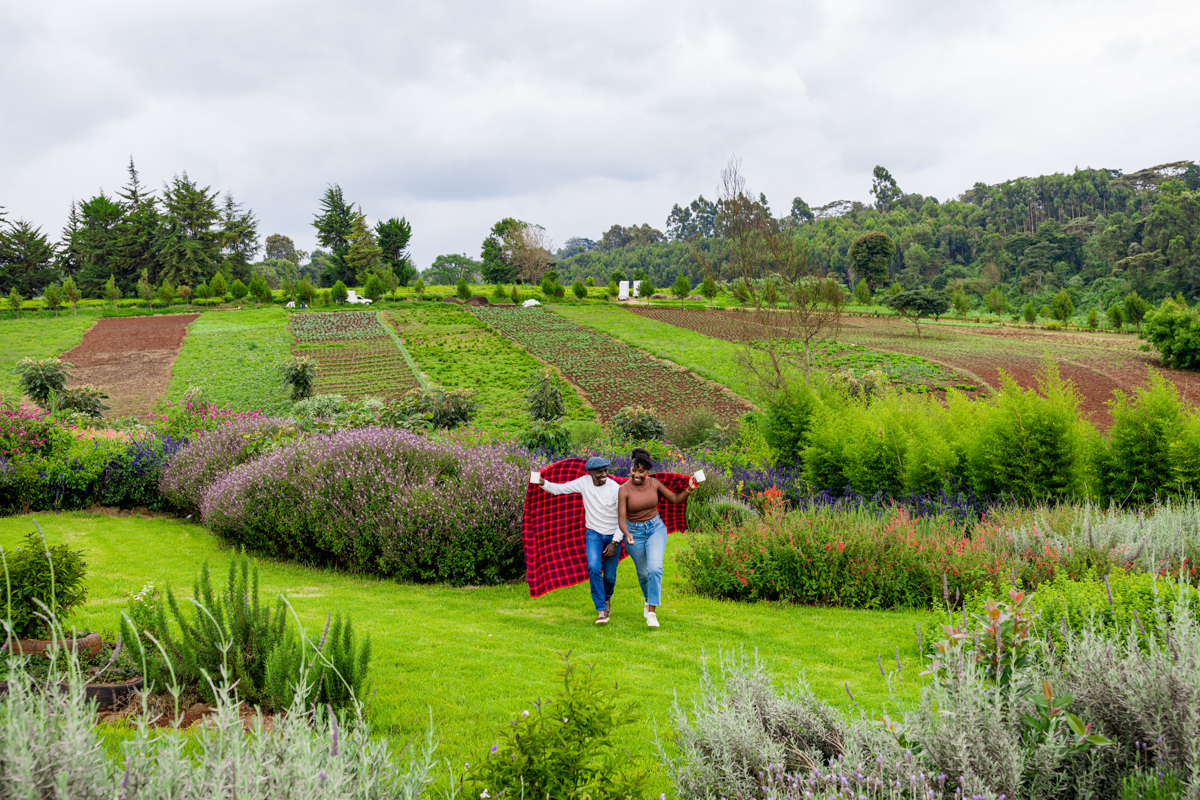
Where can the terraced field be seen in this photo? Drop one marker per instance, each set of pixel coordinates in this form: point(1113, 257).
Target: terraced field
point(611, 373)
point(356, 355)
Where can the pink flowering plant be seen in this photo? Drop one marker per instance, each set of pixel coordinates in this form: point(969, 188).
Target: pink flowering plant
point(195, 415)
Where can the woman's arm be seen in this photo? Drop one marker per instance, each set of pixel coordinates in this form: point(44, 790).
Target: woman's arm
point(623, 513)
point(672, 496)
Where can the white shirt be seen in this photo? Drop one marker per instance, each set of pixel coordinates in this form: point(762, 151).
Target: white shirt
point(599, 503)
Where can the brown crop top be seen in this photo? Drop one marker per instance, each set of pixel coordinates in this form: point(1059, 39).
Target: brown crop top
point(641, 504)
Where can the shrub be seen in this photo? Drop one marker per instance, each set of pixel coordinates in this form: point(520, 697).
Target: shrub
point(544, 399)
point(319, 406)
point(86, 400)
point(1136, 464)
point(195, 414)
point(579, 289)
point(852, 559)
point(1030, 444)
point(41, 582)
point(51, 746)
point(238, 289)
point(693, 429)
point(1174, 330)
point(564, 747)
point(498, 293)
point(202, 462)
point(334, 670)
point(462, 290)
point(447, 408)
point(31, 433)
point(638, 423)
point(338, 293)
point(42, 378)
point(300, 374)
point(381, 501)
point(547, 435)
point(788, 419)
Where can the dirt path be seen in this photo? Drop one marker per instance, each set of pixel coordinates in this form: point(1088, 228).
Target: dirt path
point(130, 360)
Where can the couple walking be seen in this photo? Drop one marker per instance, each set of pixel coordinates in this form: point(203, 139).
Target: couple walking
point(629, 511)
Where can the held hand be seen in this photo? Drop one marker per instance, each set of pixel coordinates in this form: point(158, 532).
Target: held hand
point(541, 481)
point(692, 484)
point(629, 539)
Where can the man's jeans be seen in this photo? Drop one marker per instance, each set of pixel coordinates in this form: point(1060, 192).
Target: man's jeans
point(602, 572)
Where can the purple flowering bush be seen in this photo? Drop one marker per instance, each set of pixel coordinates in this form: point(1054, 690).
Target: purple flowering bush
point(380, 500)
point(209, 456)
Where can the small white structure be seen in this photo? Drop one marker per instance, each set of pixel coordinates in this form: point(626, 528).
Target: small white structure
point(290, 304)
point(623, 290)
point(530, 303)
point(637, 288)
point(355, 299)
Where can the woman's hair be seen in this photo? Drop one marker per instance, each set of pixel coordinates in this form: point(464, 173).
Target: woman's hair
point(641, 456)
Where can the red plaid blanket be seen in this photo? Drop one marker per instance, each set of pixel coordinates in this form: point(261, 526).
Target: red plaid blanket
point(553, 527)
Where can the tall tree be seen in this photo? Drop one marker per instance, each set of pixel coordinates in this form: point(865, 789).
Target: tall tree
point(364, 256)
point(447, 270)
point(188, 243)
point(95, 244)
point(872, 254)
point(394, 235)
point(69, 261)
point(239, 239)
point(497, 263)
point(281, 247)
point(884, 189)
point(334, 225)
point(137, 233)
point(26, 258)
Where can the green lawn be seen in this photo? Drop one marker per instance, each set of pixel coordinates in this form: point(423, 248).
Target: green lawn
point(475, 657)
point(38, 336)
point(235, 357)
point(458, 351)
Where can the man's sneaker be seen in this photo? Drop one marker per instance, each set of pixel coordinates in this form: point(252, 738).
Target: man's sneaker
point(651, 619)
point(602, 617)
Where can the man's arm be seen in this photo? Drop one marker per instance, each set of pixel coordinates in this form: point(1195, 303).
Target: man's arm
point(570, 487)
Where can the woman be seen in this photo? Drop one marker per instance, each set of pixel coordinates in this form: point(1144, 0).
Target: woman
point(645, 533)
point(602, 537)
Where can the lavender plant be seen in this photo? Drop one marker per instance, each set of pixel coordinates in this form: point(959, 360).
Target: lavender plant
point(380, 500)
point(203, 461)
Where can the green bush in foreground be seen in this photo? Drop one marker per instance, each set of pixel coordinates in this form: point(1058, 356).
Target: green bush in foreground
point(40, 580)
point(564, 747)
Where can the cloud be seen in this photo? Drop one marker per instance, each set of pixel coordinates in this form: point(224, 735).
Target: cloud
point(577, 115)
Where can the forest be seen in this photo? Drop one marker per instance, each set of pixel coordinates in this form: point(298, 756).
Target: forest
point(1097, 233)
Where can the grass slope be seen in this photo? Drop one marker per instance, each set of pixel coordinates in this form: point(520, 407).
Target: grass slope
point(235, 357)
point(475, 657)
point(37, 337)
point(708, 357)
point(456, 350)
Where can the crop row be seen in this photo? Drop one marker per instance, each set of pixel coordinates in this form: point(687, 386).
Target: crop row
point(373, 367)
point(612, 373)
point(337, 326)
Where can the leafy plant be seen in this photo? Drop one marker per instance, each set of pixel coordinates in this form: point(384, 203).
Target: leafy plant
point(544, 399)
point(564, 747)
point(300, 373)
point(42, 582)
point(86, 400)
point(333, 670)
point(549, 435)
point(42, 377)
point(638, 423)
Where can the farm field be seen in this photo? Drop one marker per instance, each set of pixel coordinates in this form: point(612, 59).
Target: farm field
point(609, 372)
point(1097, 363)
point(474, 657)
point(234, 357)
point(457, 351)
point(130, 360)
point(34, 336)
point(355, 354)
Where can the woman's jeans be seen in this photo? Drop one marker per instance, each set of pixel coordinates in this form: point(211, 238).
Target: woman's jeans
point(649, 546)
point(602, 572)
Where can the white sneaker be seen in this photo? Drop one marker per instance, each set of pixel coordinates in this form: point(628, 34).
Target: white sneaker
point(645, 609)
point(651, 619)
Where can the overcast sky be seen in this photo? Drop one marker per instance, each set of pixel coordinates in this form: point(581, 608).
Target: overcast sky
point(578, 115)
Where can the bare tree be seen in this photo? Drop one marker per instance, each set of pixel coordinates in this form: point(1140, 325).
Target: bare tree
point(766, 266)
point(528, 248)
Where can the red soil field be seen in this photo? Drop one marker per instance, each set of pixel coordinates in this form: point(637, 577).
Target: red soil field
point(130, 360)
point(1097, 363)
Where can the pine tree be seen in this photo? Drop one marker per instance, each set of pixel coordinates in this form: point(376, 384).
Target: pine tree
point(71, 294)
point(95, 244)
point(218, 287)
point(188, 241)
point(137, 231)
point(364, 253)
point(239, 239)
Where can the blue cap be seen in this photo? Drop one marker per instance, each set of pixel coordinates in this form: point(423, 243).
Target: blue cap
point(596, 462)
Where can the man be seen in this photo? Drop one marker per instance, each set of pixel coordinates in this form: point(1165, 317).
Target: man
point(603, 536)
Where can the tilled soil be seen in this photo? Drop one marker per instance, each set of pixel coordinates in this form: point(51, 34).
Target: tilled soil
point(1098, 364)
point(130, 360)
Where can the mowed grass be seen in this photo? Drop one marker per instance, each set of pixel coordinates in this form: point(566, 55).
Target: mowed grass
point(234, 356)
point(474, 658)
point(707, 357)
point(38, 336)
point(456, 350)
